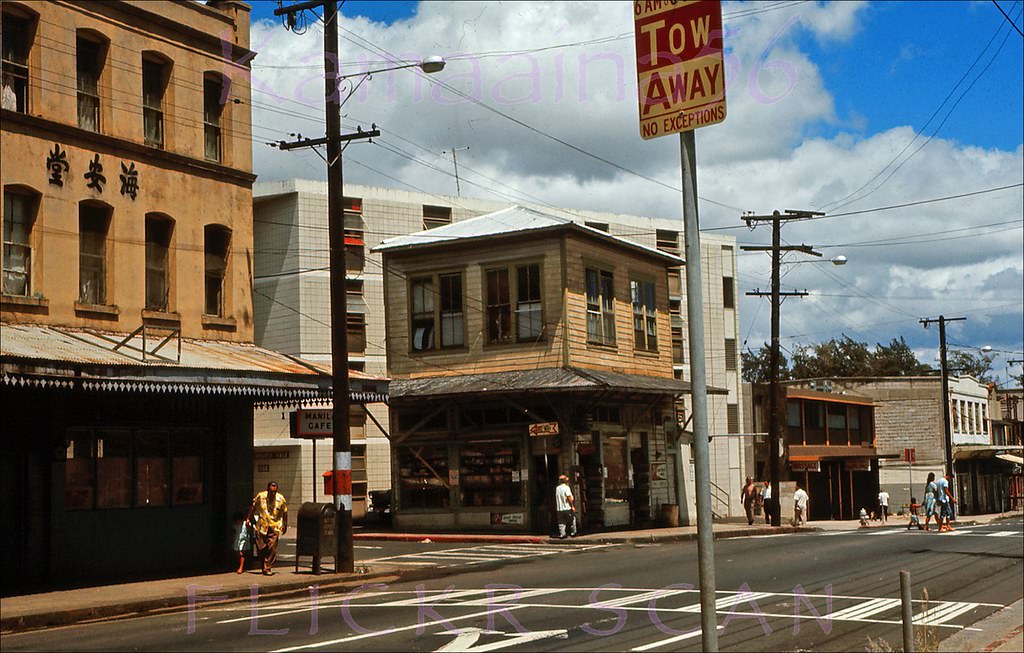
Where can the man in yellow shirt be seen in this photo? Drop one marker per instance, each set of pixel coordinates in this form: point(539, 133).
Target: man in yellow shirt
point(270, 510)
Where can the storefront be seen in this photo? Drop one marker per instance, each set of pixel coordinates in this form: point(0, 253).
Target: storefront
point(490, 461)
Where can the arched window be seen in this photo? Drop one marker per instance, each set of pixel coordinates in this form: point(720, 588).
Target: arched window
point(159, 229)
point(19, 27)
point(93, 224)
point(217, 244)
point(215, 93)
point(20, 207)
point(90, 55)
point(156, 71)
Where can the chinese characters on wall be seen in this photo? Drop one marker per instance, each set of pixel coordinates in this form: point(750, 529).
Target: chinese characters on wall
point(59, 168)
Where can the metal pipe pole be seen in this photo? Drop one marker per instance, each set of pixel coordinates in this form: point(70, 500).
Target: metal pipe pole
point(908, 613)
point(774, 412)
point(344, 556)
point(698, 390)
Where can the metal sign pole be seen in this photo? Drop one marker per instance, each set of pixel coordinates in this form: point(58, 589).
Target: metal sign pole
point(698, 393)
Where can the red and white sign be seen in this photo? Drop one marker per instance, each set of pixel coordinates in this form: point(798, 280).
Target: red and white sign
point(910, 455)
point(679, 64)
point(543, 428)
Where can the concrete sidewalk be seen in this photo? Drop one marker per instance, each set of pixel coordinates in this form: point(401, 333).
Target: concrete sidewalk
point(70, 606)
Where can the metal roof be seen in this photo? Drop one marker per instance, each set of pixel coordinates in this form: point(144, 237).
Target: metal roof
point(50, 356)
point(559, 379)
point(514, 220)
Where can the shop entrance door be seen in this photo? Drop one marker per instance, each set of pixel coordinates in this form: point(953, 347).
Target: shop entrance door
point(542, 493)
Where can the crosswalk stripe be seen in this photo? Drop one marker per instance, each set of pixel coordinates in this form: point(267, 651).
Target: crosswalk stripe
point(640, 598)
point(728, 601)
point(417, 600)
point(942, 614)
point(865, 610)
point(1001, 534)
point(889, 532)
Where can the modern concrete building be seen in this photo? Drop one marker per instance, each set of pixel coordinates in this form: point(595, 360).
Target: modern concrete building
point(291, 302)
point(126, 319)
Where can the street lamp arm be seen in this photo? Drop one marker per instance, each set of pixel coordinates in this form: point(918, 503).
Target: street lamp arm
point(429, 65)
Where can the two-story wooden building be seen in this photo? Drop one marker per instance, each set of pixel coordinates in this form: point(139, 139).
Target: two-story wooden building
point(522, 345)
point(129, 372)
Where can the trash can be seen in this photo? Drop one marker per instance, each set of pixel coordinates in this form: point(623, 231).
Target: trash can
point(670, 514)
point(316, 536)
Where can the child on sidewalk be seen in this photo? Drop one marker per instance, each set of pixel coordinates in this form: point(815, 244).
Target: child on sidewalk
point(242, 541)
point(863, 517)
point(914, 519)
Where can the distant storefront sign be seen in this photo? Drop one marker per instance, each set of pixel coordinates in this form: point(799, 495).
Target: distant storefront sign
point(543, 428)
point(313, 424)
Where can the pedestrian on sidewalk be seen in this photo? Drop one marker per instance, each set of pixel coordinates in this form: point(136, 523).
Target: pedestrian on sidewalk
point(883, 506)
point(243, 540)
point(766, 500)
point(915, 520)
point(565, 506)
point(269, 512)
point(747, 497)
point(946, 501)
point(800, 499)
point(931, 493)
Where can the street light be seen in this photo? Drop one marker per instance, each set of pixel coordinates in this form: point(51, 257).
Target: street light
point(342, 440)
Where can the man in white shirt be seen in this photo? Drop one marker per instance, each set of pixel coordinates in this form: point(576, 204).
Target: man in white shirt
point(883, 505)
point(565, 506)
point(800, 506)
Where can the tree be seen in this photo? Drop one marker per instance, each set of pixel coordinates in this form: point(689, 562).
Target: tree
point(964, 362)
point(757, 364)
point(836, 358)
point(896, 359)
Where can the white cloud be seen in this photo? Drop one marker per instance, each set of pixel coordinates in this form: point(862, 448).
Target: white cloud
point(761, 158)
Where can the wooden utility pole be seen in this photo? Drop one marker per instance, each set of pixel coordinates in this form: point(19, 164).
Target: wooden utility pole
point(776, 413)
point(947, 432)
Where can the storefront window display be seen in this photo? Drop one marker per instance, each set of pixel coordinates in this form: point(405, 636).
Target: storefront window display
point(490, 474)
point(423, 476)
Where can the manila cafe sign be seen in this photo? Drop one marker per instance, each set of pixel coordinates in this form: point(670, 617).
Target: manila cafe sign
point(679, 64)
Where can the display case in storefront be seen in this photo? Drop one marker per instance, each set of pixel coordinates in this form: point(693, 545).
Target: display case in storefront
point(423, 476)
point(490, 474)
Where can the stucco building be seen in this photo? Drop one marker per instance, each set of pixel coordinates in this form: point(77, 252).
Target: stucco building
point(129, 371)
point(292, 309)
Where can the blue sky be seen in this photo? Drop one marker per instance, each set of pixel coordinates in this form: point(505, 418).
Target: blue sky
point(829, 108)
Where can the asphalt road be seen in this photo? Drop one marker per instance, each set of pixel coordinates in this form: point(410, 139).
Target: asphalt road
point(827, 591)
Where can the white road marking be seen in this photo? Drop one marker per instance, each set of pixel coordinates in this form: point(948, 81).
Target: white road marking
point(1003, 534)
point(943, 613)
point(466, 639)
point(670, 640)
point(864, 610)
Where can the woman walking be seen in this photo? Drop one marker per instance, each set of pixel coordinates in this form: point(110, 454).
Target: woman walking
point(930, 492)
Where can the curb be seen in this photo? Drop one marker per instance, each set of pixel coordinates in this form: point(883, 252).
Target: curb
point(454, 537)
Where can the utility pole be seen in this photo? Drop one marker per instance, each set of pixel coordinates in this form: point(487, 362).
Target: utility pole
point(344, 559)
point(776, 412)
point(947, 432)
point(455, 164)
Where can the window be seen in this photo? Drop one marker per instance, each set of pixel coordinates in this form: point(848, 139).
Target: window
point(529, 320)
point(154, 84)
point(451, 310)
point(436, 216)
point(93, 222)
point(430, 317)
point(19, 216)
point(837, 429)
point(730, 353)
point(89, 66)
point(422, 313)
point(213, 107)
point(489, 474)
point(525, 287)
point(121, 468)
point(17, 38)
point(152, 473)
point(616, 461)
point(158, 245)
point(728, 292)
point(423, 476)
point(356, 332)
point(217, 243)
point(600, 307)
point(645, 322)
point(499, 307)
point(732, 417)
point(113, 469)
point(667, 241)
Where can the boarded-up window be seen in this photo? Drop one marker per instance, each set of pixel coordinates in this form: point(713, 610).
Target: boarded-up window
point(730, 353)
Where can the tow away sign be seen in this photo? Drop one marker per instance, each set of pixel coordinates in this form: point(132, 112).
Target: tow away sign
point(679, 64)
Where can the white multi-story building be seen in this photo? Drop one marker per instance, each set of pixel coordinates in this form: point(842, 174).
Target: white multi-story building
point(291, 297)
